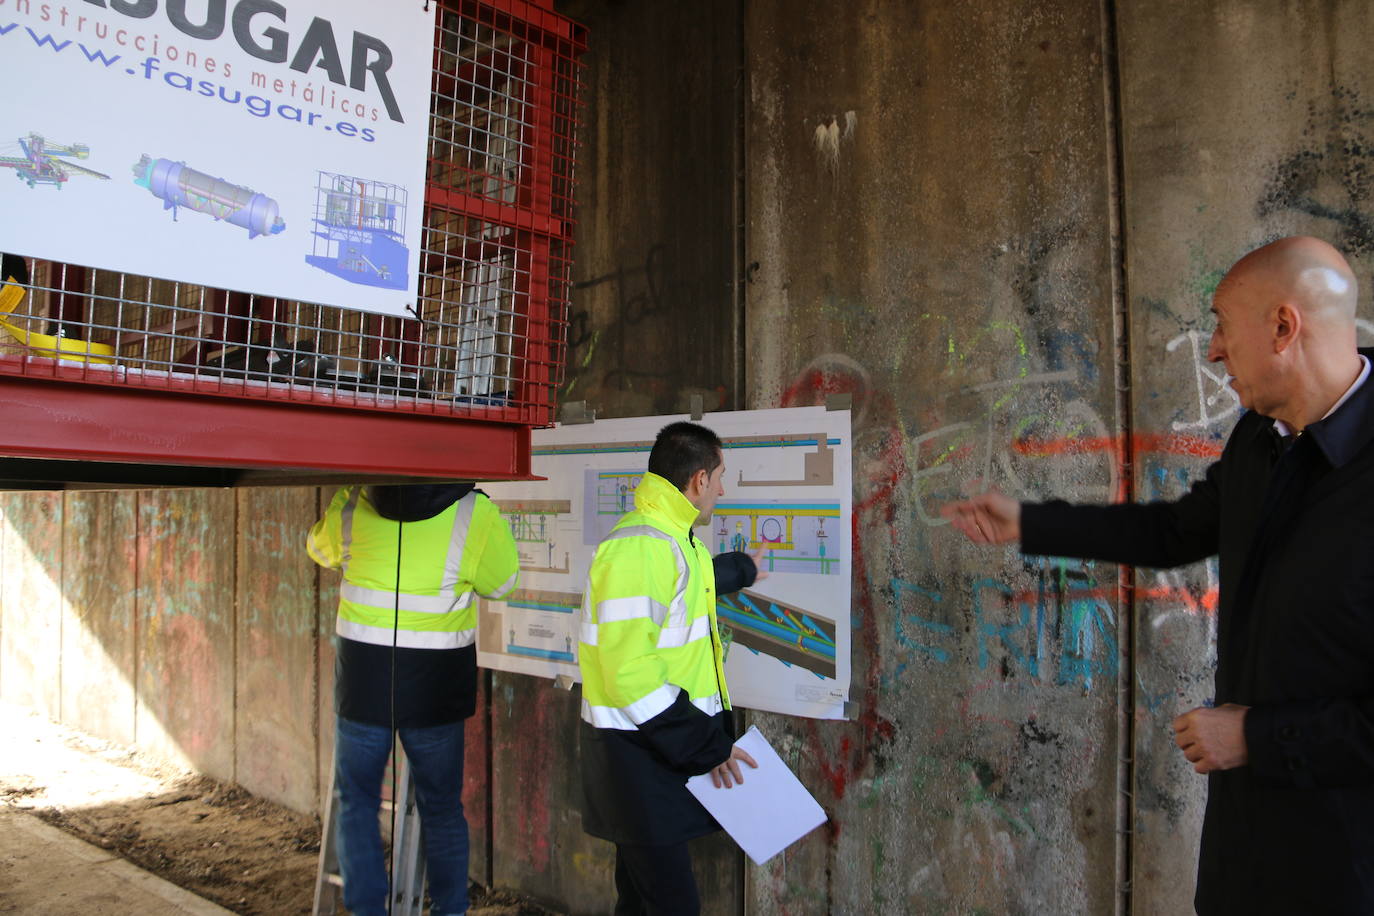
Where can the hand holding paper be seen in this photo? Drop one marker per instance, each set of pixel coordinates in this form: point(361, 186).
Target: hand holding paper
point(769, 812)
point(721, 775)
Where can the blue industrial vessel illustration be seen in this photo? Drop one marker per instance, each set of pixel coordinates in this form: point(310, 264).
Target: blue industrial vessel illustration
point(179, 186)
point(45, 163)
point(360, 231)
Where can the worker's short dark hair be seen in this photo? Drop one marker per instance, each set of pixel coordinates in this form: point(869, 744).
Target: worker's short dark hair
point(681, 450)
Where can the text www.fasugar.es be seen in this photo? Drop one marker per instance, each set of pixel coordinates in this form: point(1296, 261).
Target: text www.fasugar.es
point(150, 68)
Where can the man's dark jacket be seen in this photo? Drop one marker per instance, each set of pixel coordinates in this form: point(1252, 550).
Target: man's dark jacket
point(1293, 830)
point(634, 783)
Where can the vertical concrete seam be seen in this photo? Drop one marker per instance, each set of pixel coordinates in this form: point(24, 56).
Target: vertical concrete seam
point(4, 526)
point(1121, 331)
point(316, 691)
point(234, 644)
point(740, 201)
point(62, 605)
point(135, 675)
point(489, 685)
point(741, 302)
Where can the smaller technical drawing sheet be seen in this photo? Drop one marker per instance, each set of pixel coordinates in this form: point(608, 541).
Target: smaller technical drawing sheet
point(788, 493)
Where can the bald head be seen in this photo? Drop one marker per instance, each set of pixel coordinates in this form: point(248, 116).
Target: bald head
point(1302, 271)
point(1285, 328)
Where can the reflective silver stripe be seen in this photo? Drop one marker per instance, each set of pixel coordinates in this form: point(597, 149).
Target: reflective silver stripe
point(709, 705)
point(615, 610)
point(641, 710)
point(588, 633)
point(346, 529)
point(626, 719)
point(606, 717)
point(677, 610)
point(423, 604)
point(506, 587)
point(676, 637)
point(405, 639)
point(645, 708)
point(453, 563)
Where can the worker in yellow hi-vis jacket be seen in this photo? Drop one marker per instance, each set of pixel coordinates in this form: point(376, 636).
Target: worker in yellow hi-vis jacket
point(413, 560)
point(655, 707)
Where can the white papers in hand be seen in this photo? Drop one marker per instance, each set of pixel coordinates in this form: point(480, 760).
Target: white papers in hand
point(766, 813)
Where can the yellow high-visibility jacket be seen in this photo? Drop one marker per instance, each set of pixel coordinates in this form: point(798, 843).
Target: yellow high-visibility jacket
point(655, 708)
point(649, 616)
point(443, 560)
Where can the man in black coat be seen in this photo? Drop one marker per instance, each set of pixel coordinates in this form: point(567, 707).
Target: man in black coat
point(1289, 510)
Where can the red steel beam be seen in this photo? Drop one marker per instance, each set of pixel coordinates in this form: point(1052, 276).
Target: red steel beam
point(149, 426)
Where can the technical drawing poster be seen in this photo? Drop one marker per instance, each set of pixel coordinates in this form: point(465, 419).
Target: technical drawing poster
point(788, 488)
point(273, 148)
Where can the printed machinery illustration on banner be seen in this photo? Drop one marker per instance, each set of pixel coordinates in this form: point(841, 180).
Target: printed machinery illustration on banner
point(178, 186)
point(44, 163)
point(360, 234)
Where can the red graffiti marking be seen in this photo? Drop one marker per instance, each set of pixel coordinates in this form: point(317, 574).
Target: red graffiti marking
point(878, 481)
point(1141, 443)
point(534, 762)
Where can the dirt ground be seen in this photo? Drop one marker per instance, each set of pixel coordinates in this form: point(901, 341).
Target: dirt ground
point(247, 854)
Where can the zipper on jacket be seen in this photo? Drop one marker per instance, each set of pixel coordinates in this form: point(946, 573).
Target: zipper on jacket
point(711, 616)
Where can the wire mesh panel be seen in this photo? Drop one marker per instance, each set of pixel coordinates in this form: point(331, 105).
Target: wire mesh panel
point(486, 339)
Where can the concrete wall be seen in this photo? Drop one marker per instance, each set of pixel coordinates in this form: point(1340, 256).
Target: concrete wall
point(929, 209)
point(996, 225)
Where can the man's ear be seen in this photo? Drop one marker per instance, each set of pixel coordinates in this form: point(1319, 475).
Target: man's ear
point(697, 483)
point(1287, 325)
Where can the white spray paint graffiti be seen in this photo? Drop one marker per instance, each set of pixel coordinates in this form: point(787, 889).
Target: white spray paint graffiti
point(828, 137)
point(995, 459)
point(1206, 399)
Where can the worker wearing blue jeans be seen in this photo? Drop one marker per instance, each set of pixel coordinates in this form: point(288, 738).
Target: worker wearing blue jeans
point(436, 762)
point(414, 558)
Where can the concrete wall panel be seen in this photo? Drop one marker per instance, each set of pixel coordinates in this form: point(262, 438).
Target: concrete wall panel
point(326, 604)
point(653, 317)
point(477, 783)
point(31, 639)
point(186, 627)
point(538, 843)
point(928, 194)
point(275, 684)
point(1257, 126)
point(98, 632)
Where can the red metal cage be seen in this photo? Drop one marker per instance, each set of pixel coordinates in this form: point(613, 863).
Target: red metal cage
point(114, 379)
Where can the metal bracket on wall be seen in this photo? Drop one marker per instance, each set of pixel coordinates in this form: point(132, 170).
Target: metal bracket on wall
point(840, 401)
point(575, 412)
point(564, 681)
point(698, 407)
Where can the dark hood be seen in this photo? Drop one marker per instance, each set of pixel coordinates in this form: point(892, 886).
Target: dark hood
point(412, 502)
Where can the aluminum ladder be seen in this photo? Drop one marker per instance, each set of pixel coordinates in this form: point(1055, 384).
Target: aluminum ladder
point(407, 863)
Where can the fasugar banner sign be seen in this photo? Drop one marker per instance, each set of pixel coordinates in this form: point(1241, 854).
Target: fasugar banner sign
point(270, 147)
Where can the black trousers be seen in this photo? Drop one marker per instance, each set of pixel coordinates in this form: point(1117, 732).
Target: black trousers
point(655, 881)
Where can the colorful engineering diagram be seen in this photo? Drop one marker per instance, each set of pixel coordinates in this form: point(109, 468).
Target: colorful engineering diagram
point(533, 521)
point(788, 486)
point(791, 534)
point(360, 231)
point(788, 633)
point(533, 624)
point(47, 164)
point(178, 186)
